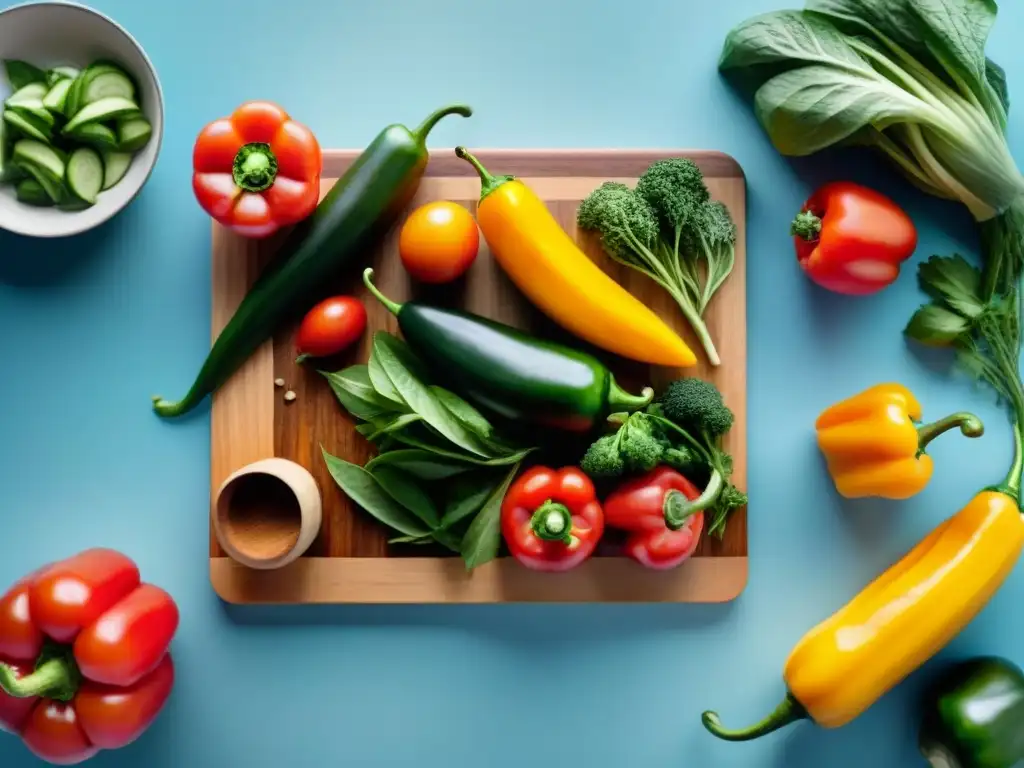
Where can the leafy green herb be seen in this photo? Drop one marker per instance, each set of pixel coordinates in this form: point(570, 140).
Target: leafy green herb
point(483, 539)
point(463, 411)
point(907, 77)
point(385, 426)
point(421, 464)
point(469, 492)
point(353, 389)
point(382, 382)
point(362, 487)
point(403, 488)
point(21, 73)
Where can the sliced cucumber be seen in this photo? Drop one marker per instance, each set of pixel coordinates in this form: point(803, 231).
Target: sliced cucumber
point(32, 192)
point(85, 174)
point(115, 166)
point(133, 134)
point(110, 108)
point(43, 164)
point(55, 75)
point(31, 92)
point(98, 135)
point(73, 99)
point(34, 110)
point(108, 82)
point(27, 126)
point(57, 95)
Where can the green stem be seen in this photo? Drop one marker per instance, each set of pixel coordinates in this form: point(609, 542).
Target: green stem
point(621, 400)
point(255, 167)
point(435, 117)
point(970, 426)
point(55, 677)
point(677, 510)
point(806, 226)
point(391, 306)
point(789, 711)
point(684, 508)
point(488, 182)
point(704, 453)
point(552, 522)
point(1011, 484)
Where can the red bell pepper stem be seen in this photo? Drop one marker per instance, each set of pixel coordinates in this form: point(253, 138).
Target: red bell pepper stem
point(678, 508)
point(255, 167)
point(552, 522)
point(806, 225)
point(56, 676)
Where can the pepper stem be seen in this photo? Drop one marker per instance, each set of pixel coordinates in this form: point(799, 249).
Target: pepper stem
point(488, 183)
point(56, 676)
point(806, 225)
point(391, 306)
point(970, 426)
point(789, 711)
point(621, 400)
point(552, 522)
point(255, 167)
point(435, 117)
point(678, 509)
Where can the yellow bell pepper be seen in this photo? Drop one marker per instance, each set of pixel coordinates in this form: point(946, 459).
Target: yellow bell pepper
point(900, 620)
point(545, 263)
point(873, 445)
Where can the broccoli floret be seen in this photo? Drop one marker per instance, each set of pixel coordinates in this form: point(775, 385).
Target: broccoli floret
point(626, 223)
point(731, 498)
point(682, 458)
point(603, 458)
point(697, 406)
point(641, 445)
point(676, 191)
point(716, 244)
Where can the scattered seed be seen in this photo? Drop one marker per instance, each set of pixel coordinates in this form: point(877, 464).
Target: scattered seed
point(289, 396)
point(278, 382)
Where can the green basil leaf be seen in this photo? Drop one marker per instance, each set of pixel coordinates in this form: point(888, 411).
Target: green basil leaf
point(424, 465)
point(21, 73)
point(356, 396)
point(483, 538)
point(403, 488)
point(386, 427)
point(936, 326)
point(954, 282)
point(468, 494)
point(391, 356)
point(463, 411)
point(362, 487)
point(382, 381)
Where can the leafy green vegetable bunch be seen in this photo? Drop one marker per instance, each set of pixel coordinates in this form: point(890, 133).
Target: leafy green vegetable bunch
point(684, 429)
point(440, 472)
point(907, 77)
point(669, 229)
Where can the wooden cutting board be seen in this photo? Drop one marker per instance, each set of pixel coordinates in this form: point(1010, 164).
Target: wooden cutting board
point(351, 561)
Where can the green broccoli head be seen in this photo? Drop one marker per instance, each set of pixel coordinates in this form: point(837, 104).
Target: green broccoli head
point(683, 459)
point(718, 226)
point(642, 444)
point(696, 405)
point(623, 219)
point(675, 189)
point(603, 459)
point(731, 498)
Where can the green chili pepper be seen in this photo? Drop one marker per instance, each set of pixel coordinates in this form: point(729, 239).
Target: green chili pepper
point(358, 209)
point(508, 372)
point(974, 716)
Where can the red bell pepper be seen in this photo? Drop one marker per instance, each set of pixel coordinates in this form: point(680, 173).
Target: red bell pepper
point(84, 661)
point(258, 170)
point(551, 519)
point(655, 508)
point(851, 239)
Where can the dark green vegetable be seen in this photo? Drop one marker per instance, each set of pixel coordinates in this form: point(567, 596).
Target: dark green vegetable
point(508, 372)
point(357, 210)
point(21, 73)
point(973, 716)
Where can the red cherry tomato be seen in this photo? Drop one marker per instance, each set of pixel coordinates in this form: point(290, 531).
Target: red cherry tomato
point(331, 326)
point(439, 242)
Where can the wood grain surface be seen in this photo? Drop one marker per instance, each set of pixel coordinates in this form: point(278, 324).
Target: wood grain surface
point(351, 560)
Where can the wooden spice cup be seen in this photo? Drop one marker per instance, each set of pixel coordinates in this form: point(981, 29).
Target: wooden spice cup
point(267, 513)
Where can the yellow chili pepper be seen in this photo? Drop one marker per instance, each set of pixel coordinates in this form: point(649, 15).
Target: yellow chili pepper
point(543, 260)
point(900, 620)
point(874, 446)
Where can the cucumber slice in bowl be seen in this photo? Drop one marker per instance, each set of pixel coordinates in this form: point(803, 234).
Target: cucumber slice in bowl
point(96, 134)
point(85, 174)
point(33, 109)
point(55, 75)
point(106, 81)
point(110, 108)
point(133, 134)
point(56, 97)
point(115, 166)
point(31, 92)
point(28, 126)
point(43, 164)
point(30, 191)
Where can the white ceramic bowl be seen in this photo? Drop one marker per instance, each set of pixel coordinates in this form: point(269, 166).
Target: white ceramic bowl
point(49, 34)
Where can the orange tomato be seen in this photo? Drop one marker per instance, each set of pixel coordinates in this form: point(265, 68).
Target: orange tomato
point(439, 242)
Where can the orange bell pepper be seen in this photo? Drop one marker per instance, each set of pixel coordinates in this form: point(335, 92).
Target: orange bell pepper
point(874, 446)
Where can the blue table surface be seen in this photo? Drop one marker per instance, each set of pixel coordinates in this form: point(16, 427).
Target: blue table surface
point(91, 327)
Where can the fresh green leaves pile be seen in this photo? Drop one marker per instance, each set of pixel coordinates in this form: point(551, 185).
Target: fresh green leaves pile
point(683, 429)
point(669, 229)
point(440, 472)
point(908, 77)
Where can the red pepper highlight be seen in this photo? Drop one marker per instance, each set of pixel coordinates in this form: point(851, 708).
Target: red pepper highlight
point(84, 656)
point(551, 519)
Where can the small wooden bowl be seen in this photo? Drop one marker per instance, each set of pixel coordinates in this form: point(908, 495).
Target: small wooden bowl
point(267, 513)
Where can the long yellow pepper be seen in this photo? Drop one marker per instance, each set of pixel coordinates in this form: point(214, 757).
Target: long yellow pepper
point(902, 618)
